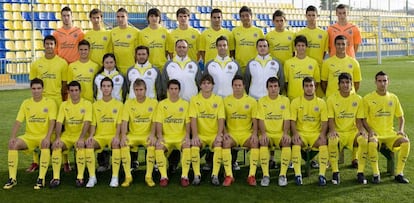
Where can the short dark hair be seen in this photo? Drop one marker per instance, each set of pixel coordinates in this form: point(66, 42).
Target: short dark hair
point(311, 8)
point(237, 77)
point(66, 8)
point(154, 11)
point(123, 10)
point(49, 37)
point(140, 82)
point(107, 79)
point(261, 40)
point(307, 80)
point(95, 11)
point(245, 9)
point(181, 40)
point(340, 37)
point(36, 81)
point(341, 6)
point(74, 83)
point(272, 80)
point(207, 77)
point(344, 76)
point(381, 73)
point(142, 47)
point(174, 82)
point(216, 10)
point(182, 11)
point(301, 38)
point(279, 13)
point(221, 38)
point(84, 42)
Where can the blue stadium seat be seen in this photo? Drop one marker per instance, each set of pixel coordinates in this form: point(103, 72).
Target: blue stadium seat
point(193, 16)
point(43, 16)
point(51, 16)
point(27, 16)
point(164, 17)
point(236, 16)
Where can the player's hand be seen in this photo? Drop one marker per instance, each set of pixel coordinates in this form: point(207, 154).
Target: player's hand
point(286, 139)
point(333, 134)
point(363, 134)
point(124, 141)
point(372, 134)
point(80, 143)
point(296, 139)
point(254, 140)
point(195, 141)
point(264, 140)
point(58, 143)
point(402, 133)
point(89, 141)
point(152, 140)
point(12, 141)
point(45, 143)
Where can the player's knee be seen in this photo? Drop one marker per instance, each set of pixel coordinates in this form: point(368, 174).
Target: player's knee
point(372, 139)
point(187, 145)
point(159, 146)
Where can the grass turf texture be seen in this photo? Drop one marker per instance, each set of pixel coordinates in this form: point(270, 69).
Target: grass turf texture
point(401, 75)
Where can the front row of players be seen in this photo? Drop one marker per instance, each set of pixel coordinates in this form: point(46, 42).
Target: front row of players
point(345, 120)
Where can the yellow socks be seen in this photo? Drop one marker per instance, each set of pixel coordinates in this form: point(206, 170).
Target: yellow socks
point(80, 162)
point(126, 161)
point(150, 161)
point(90, 161)
point(13, 159)
point(285, 160)
point(186, 162)
point(44, 162)
point(373, 157)
point(362, 153)
point(254, 159)
point(56, 163)
point(195, 160)
point(161, 162)
point(402, 157)
point(333, 153)
point(323, 159)
point(264, 155)
point(297, 159)
point(227, 162)
point(217, 159)
point(116, 162)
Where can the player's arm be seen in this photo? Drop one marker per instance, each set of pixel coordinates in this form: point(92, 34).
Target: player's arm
point(124, 130)
point(361, 130)
point(195, 141)
point(85, 129)
point(46, 140)
point(64, 91)
point(324, 85)
point(324, 129)
point(158, 130)
point(356, 86)
point(152, 139)
point(295, 133)
point(371, 132)
point(401, 123)
point(58, 130)
point(14, 131)
point(332, 130)
point(262, 129)
point(220, 130)
point(187, 133)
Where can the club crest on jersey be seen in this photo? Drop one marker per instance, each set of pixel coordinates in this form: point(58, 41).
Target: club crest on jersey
point(193, 36)
point(320, 36)
point(150, 109)
point(91, 70)
point(128, 36)
point(149, 73)
point(283, 107)
point(289, 38)
point(272, 63)
point(116, 79)
point(350, 66)
point(45, 110)
point(350, 32)
point(246, 106)
point(230, 67)
point(163, 36)
point(105, 38)
point(310, 67)
point(255, 35)
point(114, 111)
point(82, 111)
point(215, 106)
point(190, 66)
point(181, 109)
point(390, 103)
point(316, 109)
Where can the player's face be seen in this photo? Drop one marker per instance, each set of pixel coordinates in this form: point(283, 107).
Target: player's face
point(206, 86)
point(49, 46)
point(122, 19)
point(106, 88)
point(183, 19)
point(300, 47)
point(37, 90)
point(222, 47)
point(279, 22)
point(273, 89)
point(340, 46)
point(109, 63)
point(141, 56)
point(341, 14)
point(216, 20)
point(262, 48)
point(66, 18)
point(345, 86)
point(309, 88)
point(311, 17)
point(238, 87)
point(96, 19)
point(74, 93)
point(245, 18)
point(382, 83)
point(83, 51)
point(181, 48)
point(153, 19)
point(140, 91)
point(173, 91)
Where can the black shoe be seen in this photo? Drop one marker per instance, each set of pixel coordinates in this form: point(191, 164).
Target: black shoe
point(336, 179)
point(322, 180)
point(401, 179)
point(361, 178)
point(376, 179)
point(354, 163)
point(272, 164)
point(40, 183)
point(80, 183)
point(54, 183)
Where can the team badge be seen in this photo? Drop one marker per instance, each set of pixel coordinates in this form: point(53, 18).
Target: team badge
point(150, 109)
point(193, 36)
point(163, 36)
point(316, 108)
point(246, 106)
point(354, 104)
point(190, 66)
point(116, 79)
point(215, 106)
point(105, 38)
point(91, 70)
point(283, 107)
point(82, 111)
point(115, 111)
point(45, 110)
point(289, 38)
point(181, 109)
point(149, 73)
point(390, 103)
point(255, 35)
point(350, 32)
point(350, 66)
point(272, 63)
point(75, 36)
point(320, 36)
point(310, 67)
point(128, 36)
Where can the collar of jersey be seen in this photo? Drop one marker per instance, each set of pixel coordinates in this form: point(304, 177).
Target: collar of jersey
point(263, 59)
point(182, 61)
point(110, 74)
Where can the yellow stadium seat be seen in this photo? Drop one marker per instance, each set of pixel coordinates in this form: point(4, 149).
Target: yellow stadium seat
point(10, 55)
point(53, 25)
point(17, 16)
point(39, 54)
point(20, 54)
point(85, 24)
point(39, 7)
point(18, 25)
point(7, 7)
point(8, 15)
point(8, 25)
point(20, 45)
point(16, 7)
point(24, 7)
point(18, 34)
point(27, 25)
point(28, 44)
point(10, 45)
point(38, 35)
point(8, 34)
point(39, 44)
point(27, 34)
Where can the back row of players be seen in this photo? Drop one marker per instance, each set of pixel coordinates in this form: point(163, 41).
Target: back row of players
point(222, 69)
